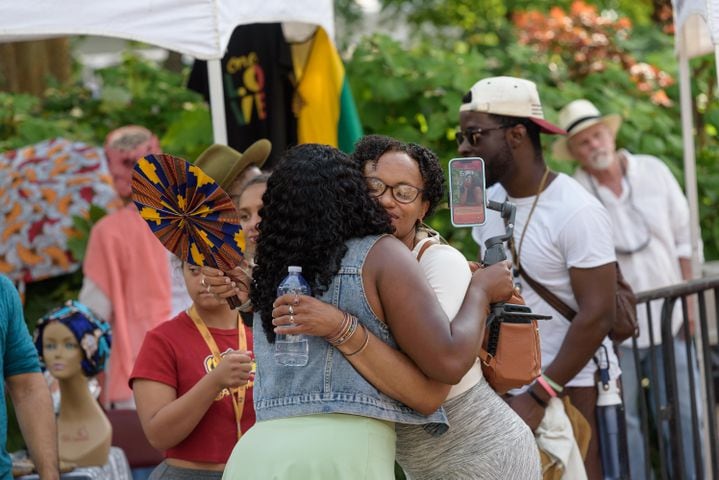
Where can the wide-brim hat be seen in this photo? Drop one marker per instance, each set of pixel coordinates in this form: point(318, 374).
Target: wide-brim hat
point(578, 116)
point(511, 97)
point(223, 164)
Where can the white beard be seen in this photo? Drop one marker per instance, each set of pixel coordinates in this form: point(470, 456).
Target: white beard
point(601, 160)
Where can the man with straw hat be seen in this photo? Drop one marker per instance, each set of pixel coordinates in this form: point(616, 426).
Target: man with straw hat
point(650, 217)
point(555, 243)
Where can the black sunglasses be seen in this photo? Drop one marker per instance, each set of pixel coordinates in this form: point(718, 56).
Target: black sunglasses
point(474, 135)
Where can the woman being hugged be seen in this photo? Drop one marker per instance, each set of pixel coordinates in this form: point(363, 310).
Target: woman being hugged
point(324, 420)
point(486, 438)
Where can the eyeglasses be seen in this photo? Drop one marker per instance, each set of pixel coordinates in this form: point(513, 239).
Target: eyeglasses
point(474, 135)
point(401, 192)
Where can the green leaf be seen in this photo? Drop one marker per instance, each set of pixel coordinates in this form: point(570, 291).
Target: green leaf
point(96, 213)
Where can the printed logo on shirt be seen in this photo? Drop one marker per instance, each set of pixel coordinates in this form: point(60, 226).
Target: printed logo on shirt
point(245, 88)
point(210, 364)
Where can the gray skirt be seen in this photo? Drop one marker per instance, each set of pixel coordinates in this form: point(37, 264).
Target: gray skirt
point(168, 472)
point(486, 440)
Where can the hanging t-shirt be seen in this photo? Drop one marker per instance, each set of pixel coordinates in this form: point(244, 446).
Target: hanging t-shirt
point(257, 82)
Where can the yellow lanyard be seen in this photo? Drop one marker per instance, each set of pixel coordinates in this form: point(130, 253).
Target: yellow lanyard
point(237, 394)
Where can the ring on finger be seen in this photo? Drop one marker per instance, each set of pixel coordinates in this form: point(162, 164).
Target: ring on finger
point(208, 288)
point(203, 282)
point(292, 310)
point(292, 318)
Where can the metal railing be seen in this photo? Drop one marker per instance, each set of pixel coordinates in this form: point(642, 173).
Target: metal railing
point(671, 458)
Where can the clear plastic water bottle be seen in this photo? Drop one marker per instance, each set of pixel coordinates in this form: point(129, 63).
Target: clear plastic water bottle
point(611, 429)
point(292, 350)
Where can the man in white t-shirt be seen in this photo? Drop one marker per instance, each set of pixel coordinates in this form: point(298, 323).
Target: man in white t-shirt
point(562, 240)
point(650, 215)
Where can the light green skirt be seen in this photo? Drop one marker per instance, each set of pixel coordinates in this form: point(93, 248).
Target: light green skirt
point(315, 447)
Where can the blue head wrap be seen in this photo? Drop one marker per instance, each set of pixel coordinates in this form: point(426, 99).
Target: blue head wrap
point(92, 334)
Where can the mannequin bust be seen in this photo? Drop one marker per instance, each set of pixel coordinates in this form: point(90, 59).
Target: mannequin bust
point(74, 345)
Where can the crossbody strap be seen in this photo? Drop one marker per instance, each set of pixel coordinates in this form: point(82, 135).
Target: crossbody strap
point(554, 301)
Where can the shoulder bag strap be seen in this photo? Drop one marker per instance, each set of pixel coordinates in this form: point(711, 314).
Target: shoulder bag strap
point(426, 245)
point(554, 301)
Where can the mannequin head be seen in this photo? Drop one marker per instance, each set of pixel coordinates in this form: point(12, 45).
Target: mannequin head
point(71, 339)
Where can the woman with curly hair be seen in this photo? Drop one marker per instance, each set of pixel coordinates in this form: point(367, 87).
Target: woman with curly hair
point(324, 420)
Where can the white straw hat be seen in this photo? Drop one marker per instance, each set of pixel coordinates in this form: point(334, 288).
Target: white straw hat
point(509, 96)
point(577, 116)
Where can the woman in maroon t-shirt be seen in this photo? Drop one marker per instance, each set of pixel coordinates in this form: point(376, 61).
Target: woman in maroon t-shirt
point(192, 385)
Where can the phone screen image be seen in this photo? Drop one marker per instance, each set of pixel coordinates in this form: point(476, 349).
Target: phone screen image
point(467, 191)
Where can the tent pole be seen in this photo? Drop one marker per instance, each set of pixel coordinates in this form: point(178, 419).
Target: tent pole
point(690, 176)
point(217, 101)
point(690, 184)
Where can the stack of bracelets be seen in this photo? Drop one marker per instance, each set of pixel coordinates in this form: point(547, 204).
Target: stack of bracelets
point(347, 328)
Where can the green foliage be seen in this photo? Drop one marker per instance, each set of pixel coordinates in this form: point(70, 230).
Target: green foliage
point(135, 92)
point(78, 243)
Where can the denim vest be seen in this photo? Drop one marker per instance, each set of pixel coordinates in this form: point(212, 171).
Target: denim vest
point(329, 383)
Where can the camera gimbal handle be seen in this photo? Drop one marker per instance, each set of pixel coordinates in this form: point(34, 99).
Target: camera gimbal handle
point(495, 252)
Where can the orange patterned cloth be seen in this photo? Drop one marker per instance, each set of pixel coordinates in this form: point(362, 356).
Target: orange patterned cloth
point(42, 187)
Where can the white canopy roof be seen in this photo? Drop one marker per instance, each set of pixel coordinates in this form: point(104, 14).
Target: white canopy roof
point(199, 28)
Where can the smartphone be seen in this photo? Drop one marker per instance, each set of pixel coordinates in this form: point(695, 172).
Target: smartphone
point(467, 192)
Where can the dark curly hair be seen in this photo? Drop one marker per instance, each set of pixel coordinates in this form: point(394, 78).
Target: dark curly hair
point(371, 147)
point(316, 200)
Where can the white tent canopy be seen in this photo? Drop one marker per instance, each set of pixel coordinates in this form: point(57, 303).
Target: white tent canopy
point(199, 28)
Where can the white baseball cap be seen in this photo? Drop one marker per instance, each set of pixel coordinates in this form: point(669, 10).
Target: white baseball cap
point(509, 96)
point(577, 116)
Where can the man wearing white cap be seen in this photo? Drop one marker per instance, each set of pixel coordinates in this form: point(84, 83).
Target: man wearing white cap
point(650, 215)
point(557, 242)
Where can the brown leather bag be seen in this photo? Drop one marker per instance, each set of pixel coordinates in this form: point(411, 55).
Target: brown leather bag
point(511, 356)
point(625, 320)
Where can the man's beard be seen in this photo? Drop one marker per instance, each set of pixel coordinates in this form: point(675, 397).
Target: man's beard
point(601, 160)
point(496, 168)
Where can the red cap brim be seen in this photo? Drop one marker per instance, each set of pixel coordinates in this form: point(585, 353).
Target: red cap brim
point(547, 127)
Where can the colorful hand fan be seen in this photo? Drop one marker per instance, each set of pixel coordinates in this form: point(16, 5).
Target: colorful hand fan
point(190, 214)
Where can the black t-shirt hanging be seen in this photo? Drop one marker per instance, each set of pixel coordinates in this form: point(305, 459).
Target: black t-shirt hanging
point(256, 76)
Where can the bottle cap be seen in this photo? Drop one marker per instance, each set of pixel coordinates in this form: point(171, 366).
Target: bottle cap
point(294, 269)
point(608, 394)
